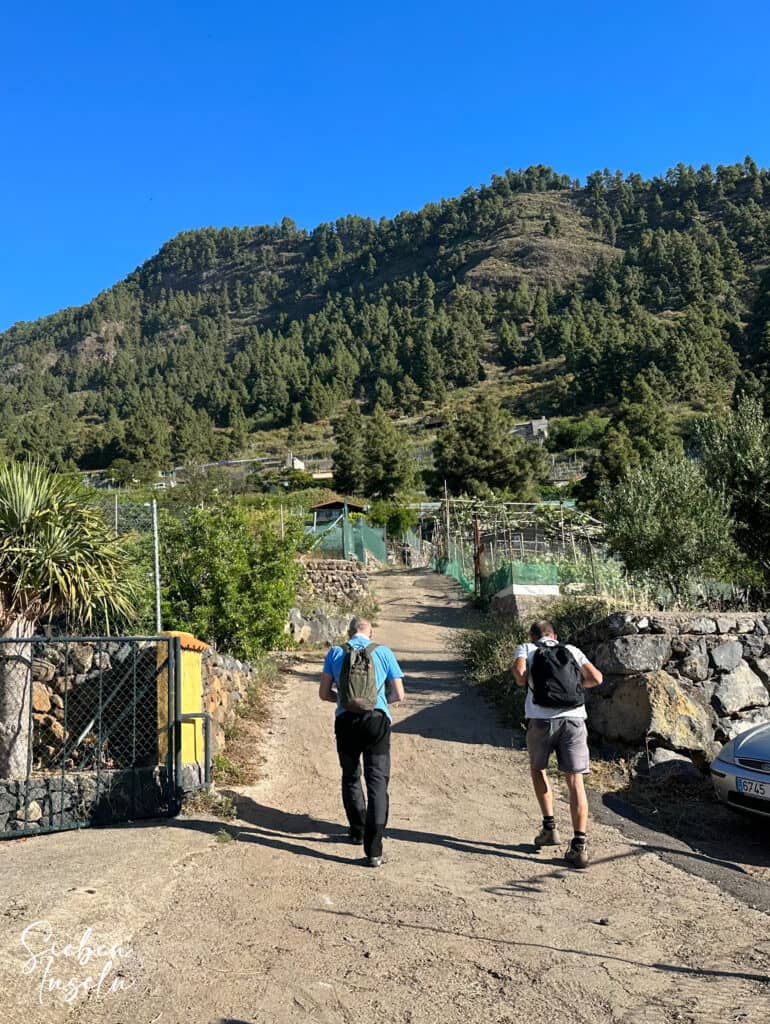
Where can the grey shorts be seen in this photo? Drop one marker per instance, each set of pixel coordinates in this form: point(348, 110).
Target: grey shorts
point(567, 737)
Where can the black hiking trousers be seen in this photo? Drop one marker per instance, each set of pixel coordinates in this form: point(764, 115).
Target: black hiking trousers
point(366, 736)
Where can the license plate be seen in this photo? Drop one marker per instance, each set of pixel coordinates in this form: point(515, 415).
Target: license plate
point(752, 788)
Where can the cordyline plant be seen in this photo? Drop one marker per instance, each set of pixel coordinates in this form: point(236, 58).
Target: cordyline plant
point(58, 557)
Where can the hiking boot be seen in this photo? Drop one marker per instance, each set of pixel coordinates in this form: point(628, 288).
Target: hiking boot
point(375, 862)
point(577, 856)
point(548, 837)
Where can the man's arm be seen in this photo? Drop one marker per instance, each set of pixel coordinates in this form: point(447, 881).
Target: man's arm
point(394, 691)
point(325, 688)
point(520, 672)
point(591, 675)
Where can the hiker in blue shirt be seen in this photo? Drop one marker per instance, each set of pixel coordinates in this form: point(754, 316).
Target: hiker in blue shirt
point(364, 733)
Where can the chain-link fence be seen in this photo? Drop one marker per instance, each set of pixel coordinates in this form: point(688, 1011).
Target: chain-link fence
point(89, 731)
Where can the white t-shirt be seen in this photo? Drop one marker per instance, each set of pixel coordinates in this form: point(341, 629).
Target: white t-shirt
point(532, 710)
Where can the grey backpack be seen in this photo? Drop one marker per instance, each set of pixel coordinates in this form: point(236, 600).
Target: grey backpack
point(357, 688)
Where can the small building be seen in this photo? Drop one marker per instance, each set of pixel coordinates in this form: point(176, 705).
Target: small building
point(328, 511)
point(532, 430)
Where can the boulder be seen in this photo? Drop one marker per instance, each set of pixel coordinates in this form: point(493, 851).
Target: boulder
point(667, 764)
point(738, 690)
point(762, 667)
point(652, 705)
point(753, 646)
point(34, 812)
point(696, 664)
point(732, 727)
point(620, 709)
point(42, 671)
point(679, 718)
point(629, 655)
point(81, 657)
point(620, 624)
point(101, 661)
point(726, 657)
point(327, 629)
point(701, 626)
point(41, 699)
point(725, 625)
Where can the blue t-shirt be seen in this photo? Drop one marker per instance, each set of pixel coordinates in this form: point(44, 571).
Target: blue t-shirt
point(385, 668)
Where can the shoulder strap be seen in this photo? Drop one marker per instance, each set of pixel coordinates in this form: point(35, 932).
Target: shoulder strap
point(371, 647)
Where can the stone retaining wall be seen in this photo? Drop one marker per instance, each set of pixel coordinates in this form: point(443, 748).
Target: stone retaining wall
point(226, 682)
point(82, 798)
point(684, 683)
point(336, 580)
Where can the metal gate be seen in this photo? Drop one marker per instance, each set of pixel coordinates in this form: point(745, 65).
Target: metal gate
point(90, 731)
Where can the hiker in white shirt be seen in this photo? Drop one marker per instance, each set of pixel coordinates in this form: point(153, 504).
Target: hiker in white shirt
point(555, 676)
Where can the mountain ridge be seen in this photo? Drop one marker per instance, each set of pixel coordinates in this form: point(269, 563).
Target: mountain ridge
point(226, 331)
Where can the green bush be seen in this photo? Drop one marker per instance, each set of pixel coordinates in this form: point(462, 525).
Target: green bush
point(229, 577)
point(488, 654)
point(488, 651)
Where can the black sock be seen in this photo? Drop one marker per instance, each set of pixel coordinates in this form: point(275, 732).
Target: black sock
point(579, 839)
point(549, 822)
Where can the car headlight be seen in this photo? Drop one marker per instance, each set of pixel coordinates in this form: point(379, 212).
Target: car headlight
point(727, 753)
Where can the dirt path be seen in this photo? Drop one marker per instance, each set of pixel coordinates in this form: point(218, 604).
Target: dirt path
point(466, 923)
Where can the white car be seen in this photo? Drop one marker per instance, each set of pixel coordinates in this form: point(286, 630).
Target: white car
point(741, 771)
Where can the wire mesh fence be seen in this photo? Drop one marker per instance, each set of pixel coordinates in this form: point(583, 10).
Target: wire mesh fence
point(95, 741)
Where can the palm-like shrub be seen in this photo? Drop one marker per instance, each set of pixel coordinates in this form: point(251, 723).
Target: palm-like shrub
point(57, 557)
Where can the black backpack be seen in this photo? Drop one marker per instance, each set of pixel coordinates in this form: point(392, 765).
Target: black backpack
point(357, 688)
point(556, 679)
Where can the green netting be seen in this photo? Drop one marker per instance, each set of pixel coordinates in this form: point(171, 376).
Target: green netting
point(455, 570)
point(535, 572)
point(328, 542)
point(372, 538)
point(499, 580)
point(413, 540)
point(349, 539)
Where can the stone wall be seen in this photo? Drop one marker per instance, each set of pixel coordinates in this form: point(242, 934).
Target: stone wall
point(226, 682)
point(682, 683)
point(52, 802)
point(336, 580)
point(107, 675)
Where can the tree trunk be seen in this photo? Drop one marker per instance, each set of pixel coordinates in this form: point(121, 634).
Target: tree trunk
point(15, 700)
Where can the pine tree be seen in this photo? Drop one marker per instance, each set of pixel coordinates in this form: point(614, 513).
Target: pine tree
point(349, 455)
point(388, 462)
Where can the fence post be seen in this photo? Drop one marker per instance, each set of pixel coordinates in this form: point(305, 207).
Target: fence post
point(476, 556)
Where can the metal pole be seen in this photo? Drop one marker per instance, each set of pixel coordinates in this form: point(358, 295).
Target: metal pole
point(446, 517)
point(156, 557)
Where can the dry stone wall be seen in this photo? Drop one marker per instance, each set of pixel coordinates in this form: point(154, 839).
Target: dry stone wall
point(336, 580)
point(681, 683)
point(226, 683)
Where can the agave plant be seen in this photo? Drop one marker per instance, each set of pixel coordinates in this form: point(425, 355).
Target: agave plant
point(58, 556)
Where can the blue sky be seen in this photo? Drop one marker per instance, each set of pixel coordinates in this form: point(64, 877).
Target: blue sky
point(122, 124)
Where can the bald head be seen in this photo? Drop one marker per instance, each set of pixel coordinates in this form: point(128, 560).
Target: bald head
point(359, 625)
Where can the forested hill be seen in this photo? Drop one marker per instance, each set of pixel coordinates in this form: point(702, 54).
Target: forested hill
point(609, 283)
